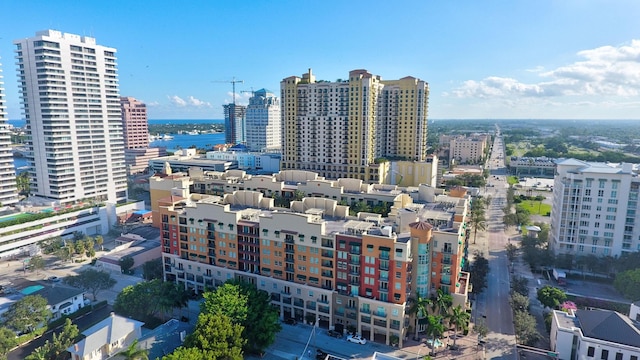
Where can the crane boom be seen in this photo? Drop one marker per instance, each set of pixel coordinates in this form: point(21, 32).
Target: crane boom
point(233, 82)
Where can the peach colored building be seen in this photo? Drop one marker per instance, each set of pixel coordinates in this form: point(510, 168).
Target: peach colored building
point(315, 259)
point(134, 123)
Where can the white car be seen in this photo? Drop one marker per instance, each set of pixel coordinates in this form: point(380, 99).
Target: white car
point(356, 339)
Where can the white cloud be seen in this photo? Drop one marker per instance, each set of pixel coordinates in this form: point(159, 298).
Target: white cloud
point(198, 103)
point(177, 100)
point(242, 98)
point(190, 102)
point(604, 71)
point(153, 104)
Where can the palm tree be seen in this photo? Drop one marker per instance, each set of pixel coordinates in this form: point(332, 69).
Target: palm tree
point(440, 303)
point(435, 328)
point(134, 353)
point(459, 319)
point(419, 307)
point(478, 221)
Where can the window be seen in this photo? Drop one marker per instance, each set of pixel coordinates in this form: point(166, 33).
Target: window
point(591, 351)
point(604, 355)
point(619, 356)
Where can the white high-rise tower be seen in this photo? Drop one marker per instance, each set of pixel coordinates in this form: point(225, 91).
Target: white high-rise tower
point(71, 101)
point(263, 122)
point(8, 189)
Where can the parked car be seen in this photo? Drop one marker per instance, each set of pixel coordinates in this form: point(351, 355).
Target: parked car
point(335, 334)
point(356, 339)
point(320, 354)
point(54, 279)
point(290, 321)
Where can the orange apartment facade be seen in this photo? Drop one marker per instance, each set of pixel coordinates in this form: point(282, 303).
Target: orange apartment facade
point(316, 261)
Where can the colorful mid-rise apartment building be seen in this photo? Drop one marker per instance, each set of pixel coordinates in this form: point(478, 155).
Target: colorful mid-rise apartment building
point(315, 258)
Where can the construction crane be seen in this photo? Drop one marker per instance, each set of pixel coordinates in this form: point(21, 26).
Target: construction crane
point(248, 92)
point(233, 82)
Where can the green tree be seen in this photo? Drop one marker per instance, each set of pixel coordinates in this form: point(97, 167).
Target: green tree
point(217, 334)
point(7, 341)
point(152, 269)
point(478, 274)
point(99, 241)
point(22, 182)
point(40, 353)
point(435, 328)
point(628, 284)
point(512, 250)
point(28, 313)
point(519, 302)
point(37, 263)
point(459, 319)
point(478, 221)
point(145, 300)
point(133, 352)
point(126, 263)
point(440, 303)
point(420, 308)
point(92, 280)
point(262, 323)
point(520, 285)
point(62, 340)
point(228, 300)
point(79, 247)
point(258, 318)
point(551, 297)
point(64, 253)
point(525, 328)
point(189, 353)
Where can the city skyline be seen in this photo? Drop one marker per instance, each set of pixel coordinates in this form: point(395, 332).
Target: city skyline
point(570, 59)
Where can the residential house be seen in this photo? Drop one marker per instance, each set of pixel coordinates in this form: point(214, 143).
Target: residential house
point(106, 338)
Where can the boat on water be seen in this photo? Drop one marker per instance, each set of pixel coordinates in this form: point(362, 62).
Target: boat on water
point(193, 132)
point(167, 137)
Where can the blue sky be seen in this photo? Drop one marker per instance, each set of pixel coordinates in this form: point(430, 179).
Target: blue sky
point(573, 59)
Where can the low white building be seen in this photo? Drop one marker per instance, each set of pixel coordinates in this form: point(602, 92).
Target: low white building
point(63, 300)
point(594, 334)
point(106, 338)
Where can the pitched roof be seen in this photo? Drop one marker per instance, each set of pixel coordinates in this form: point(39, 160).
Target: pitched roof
point(421, 225)
point(608, 325)
point(57, 294)
point(105, 332)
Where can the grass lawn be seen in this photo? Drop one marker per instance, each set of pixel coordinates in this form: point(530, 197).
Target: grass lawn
point(536, 207)
point(512, 180)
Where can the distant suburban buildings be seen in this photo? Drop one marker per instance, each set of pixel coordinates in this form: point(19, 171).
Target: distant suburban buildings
point(234, 123)
point(352, 128)
point(466, 149)
point(8, 188)
point(263, 122)
point(137, 152)
point(315, 257)
point(595, 209)
point(71, 103)
point(595, 334)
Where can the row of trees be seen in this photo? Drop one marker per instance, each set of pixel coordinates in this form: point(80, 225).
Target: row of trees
point(234, 319)
point(435, 312)
point(81, 245)
point(525, 324)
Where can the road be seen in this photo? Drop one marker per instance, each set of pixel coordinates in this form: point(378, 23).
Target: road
point(493, 306)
